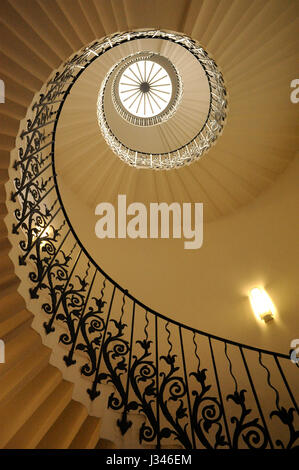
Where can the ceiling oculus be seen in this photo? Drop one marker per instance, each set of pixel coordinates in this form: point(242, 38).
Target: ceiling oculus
point(147, 89)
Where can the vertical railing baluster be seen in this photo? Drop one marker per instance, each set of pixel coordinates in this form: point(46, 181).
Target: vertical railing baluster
point(256, 397)
point(15, 227)
point(130, 353)
point(17, 163)
point(25, 185)
point(33, 291)
point(286, 383)
point(48, 326)
point(68, 359)
point(187, 387)
point(92, 392)
point(124, 424)
point(219, 393)
point(22, 259)
point(157, 380)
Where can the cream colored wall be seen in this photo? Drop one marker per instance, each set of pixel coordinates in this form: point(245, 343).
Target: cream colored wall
point(207, 288)
point(36, 36)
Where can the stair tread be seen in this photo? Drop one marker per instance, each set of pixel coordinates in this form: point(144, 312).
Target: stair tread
point(11, 301)
point(9, 285)
point(25, 370)
point(12, 321)
point(21, 406)
point(65, 428)
point(31, 433)
point(88, 435)
point(20, 343)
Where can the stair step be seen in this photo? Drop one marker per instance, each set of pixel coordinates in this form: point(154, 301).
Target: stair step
point(4, 245)
point(3, 208)
point(9, 284)
point(13, 320)
point(7, 280)
point(105, 444)
point(9, 126)
point(4, 159)
point(15, 47)
point(6, 263)
point(3, 175)
point(3, 228)
point(64, 430)
point(2, 192)
point(6, 269)
point(21, 407)
point(33, 431)
point(89, 434)
point(14, 109)
point(19, 344)
point(24, 371)
point(11, 303)
point(7, 142)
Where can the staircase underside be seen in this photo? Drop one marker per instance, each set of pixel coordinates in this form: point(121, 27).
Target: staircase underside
point(36, 405)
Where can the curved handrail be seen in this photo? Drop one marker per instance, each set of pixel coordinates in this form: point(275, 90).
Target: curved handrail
point(156, 375)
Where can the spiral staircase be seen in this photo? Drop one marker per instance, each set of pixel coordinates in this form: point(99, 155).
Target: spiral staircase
point(59, 387)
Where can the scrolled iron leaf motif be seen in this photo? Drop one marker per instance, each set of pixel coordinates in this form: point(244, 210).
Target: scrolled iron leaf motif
point(115, 349)
point(45, 250)
point(92, 329)
point(173, 389)
point(55, 283)
point(143, 381)
point(73, 301)
point(253, 434)
point(101, 339)
point(33, 196)
point(207, 413)
point(34, 227)
point(286, 416)
point(142, 378)
point(32, 166)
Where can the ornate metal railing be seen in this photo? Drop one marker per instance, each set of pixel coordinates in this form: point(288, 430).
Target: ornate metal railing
point(206, 135)
point(193, 389)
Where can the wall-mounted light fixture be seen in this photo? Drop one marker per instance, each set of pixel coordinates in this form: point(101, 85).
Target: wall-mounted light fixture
point(261, 304)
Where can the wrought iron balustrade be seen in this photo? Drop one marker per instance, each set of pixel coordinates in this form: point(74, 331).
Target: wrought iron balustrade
point(191, 388)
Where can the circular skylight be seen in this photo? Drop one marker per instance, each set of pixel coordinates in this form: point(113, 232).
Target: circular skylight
point(145, 88)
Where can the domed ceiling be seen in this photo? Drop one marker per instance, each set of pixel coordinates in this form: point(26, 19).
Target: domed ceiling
point(234, 180)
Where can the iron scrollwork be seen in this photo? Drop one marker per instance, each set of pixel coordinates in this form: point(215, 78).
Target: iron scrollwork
point(207, 412)
point(155, 386)
point(143, 381)
point(254, 435)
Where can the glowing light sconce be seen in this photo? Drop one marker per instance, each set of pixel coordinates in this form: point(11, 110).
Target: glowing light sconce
point(261, 304)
